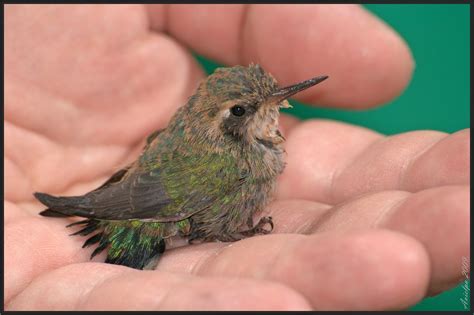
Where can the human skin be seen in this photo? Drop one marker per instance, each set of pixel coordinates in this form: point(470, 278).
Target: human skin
point(362, 221)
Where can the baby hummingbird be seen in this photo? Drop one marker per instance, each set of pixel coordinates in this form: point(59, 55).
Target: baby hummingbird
point(202, 178)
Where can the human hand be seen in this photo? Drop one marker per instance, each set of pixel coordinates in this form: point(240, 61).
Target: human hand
point(362, 221)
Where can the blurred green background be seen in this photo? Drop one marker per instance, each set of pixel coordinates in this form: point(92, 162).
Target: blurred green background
point(437, 98)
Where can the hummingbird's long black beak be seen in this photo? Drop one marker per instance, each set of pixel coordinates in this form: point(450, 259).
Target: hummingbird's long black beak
point(285, 92)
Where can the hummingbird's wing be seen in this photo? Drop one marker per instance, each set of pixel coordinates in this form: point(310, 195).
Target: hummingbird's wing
point(136, 196)
point(139, 195)
point(162, 194)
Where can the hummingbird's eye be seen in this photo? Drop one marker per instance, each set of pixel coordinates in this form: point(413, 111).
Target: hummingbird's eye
point(237, 110)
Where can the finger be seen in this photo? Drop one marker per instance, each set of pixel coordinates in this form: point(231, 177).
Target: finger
point(450, 157)
point(42, 245)
point(396, 163)
point(46, 246)
point(108, 287)
point(437, 217)
point(378, 269)
point(367, 62)
point(331, 162)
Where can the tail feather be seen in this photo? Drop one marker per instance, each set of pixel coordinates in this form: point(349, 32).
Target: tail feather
point(51, 213)
point(92, 240)
point(78, 223)
point(127, 244)
point(63, 206)
point(90, 227)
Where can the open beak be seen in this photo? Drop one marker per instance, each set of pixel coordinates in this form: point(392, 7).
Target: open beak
point(285, 92)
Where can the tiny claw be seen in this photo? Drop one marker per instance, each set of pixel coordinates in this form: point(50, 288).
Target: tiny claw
point(258, 228)
point(263, 221)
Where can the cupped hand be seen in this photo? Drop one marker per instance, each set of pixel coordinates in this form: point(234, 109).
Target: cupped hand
point(362, 221)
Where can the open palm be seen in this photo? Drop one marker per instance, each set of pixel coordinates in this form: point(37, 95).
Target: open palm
point(362, 221)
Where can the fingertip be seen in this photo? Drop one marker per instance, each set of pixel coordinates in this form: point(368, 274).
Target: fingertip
point(387, 61)
point(439, 219)
point(394, 266)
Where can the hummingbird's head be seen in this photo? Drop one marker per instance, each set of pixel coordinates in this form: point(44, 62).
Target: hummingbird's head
point(244, 102)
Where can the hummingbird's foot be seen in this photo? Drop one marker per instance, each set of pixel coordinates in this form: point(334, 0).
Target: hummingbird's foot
point(259, 228)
